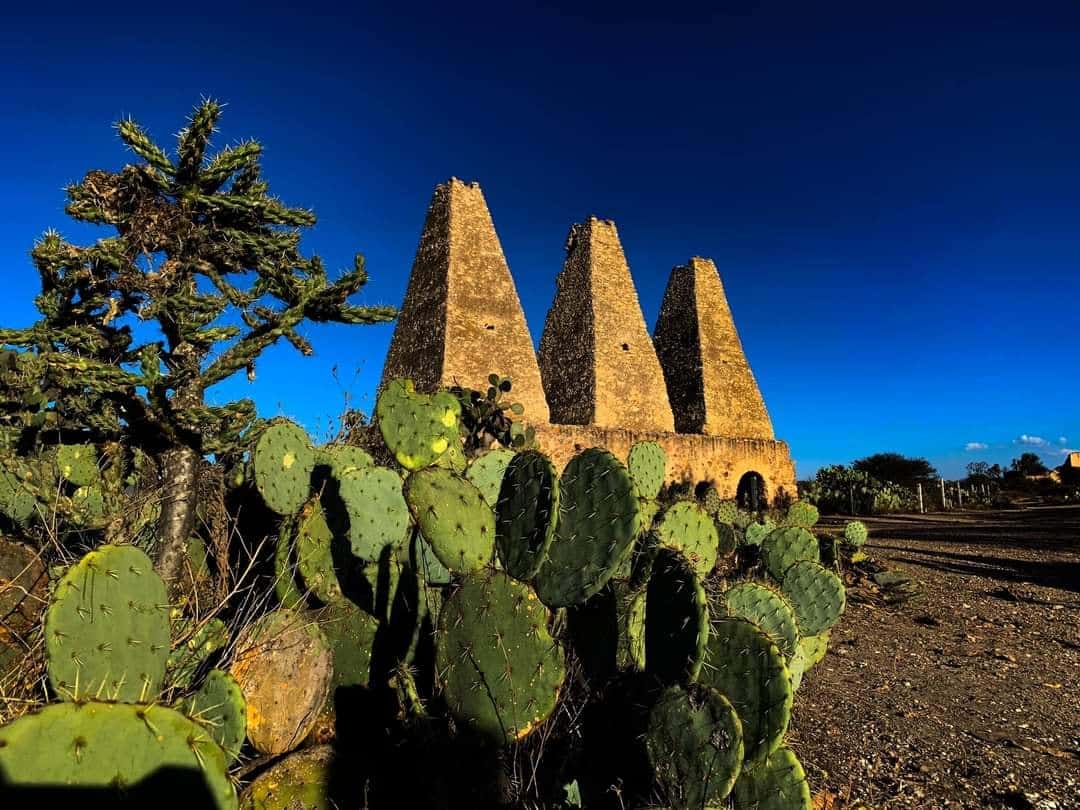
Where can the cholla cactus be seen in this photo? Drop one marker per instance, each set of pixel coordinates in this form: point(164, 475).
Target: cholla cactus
point(204, 252)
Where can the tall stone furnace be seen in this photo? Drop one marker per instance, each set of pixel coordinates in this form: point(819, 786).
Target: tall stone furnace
point(601, 381)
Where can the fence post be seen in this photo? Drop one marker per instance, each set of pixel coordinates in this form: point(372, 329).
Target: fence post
point(921, 509)
point(942, 482)
point(959, 495)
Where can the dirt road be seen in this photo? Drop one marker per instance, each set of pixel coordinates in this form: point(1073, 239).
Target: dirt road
point(967, 693)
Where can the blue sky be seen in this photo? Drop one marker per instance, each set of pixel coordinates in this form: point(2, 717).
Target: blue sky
point(893, 199)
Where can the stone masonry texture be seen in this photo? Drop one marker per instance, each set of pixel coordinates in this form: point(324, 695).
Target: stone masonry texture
point(605, 383)
point(462, 319)
point(709, 382)
point(596, 357)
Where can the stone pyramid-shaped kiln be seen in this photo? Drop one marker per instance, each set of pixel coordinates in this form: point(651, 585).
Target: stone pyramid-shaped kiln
point(596, 357)
point(461, 320)
point(709, 382)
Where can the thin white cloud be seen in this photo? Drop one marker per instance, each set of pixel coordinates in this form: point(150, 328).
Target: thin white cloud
point(971, 447)
point(1062, 440)
point(1031, 441)
point(1067, 451)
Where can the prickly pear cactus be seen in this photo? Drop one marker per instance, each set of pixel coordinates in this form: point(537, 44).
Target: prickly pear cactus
point(300, 781)
point(695, 746)
point(113, 746)
point(767, 609)
point(375, 516)
point(526, 514)
point(676, 620)
point(486, 473)
point(219, 708)
point(727, 512)
point(453, 517)
point(688, 529)
point(283, 460)
point(351, 633)
point(500, 669)
point(78, 463)
point(24, 581)
point(727, 539)
point(284, 666)
point(855, 533)
point(779, 783)
point(598, 522)
point(816, 594)
point(17, 499)
point(711, 501)
point(756, 533)
point(418, 428)
point(287, 585)
point(802, 515)
point(647, 464)
point(785, 547)
point(454, 458)
point(341, 459)
point(314, 556)
point(200, 643)
point(107, 628)
point(744, 664)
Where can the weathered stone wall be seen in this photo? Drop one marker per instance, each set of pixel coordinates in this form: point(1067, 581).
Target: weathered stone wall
point(709, 381)
point(600, 367)
point(691, 458)
point(462, 319)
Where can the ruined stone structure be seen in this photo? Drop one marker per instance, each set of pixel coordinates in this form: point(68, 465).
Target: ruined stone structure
point(601, 381)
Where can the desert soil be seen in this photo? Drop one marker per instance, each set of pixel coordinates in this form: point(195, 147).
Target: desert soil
point(961, 689)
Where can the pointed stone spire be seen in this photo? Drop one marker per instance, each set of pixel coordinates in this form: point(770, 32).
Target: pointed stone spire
point(710, 384)
point(462, 319)
point(596, 357)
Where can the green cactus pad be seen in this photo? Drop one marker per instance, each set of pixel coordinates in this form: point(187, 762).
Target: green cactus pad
point(649, 510)
point(314, 557)
point(802, 514)
point(526, 514)
point(486, 473)
point(418, 428)
point(743, 663)
point(78, 463)
point(727, 512)
point(598, 522)
point(287, 585)
point(191, 652)
point(376, 516)
point(300, 781)
point(855, 533)
point(219, 707)
point(90, 509)
point(647, 464)
point(756, 533)
point(500, 668)
point(423, 558)
point(695, 746)
point(779, 783)
point(111, 746)
point(630, 612)
point(284, 666)
point(743, 519)
point(17, 499)
point(767, 609)
point(814, 648)
point(453, 517)
point(342, 459)
point(784, 547)
point(816, 594)
point(676, 620)
point(24, 582)
point(710, 500)
point(283, 460)
point(107, 628)
point(351, 633)
point(727, 539)
point(454, 458)
point(688, 529)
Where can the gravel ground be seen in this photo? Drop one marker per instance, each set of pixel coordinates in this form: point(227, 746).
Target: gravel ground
point(966, 692)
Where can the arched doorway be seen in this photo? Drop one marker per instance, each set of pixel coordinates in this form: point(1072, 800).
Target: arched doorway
point(751, 494)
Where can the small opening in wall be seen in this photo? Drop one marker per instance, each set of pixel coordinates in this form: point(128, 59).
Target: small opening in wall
point(490, 326)
point(626, 347)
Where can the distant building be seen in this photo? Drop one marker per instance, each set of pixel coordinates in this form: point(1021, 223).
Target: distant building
point(599, 379)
